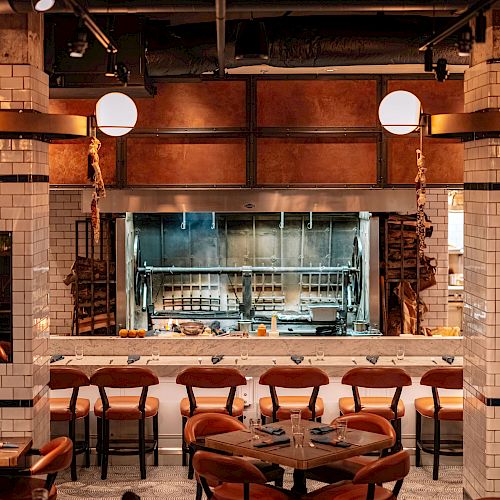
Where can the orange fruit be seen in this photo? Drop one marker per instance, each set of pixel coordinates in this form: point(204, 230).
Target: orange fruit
point(132, 333)
point(141, 333)
point(123, 333)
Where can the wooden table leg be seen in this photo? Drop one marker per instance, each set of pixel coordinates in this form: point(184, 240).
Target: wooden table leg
point(299, 482)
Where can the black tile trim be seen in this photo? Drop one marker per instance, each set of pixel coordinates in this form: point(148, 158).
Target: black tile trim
point(482, 186)
point(23, 403)
point(24, 178)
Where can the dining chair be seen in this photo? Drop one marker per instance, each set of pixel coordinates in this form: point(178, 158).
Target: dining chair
point(122, 408)
point(209, 377)
point(5, 349)
point(208, 424)
point(56, 456)
point(367, 483)
point(235, 477)
point(439, 408)
point(392, 409)
point(346, 469)
point(293, 377)
point(71, 409)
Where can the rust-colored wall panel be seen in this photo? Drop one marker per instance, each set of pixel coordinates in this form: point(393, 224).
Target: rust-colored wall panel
point(195, 105)
point(72, 106)
point(295, 161)
point(444, 161)
point(322, 103)
point(68, 161)
point(436, 97)
point(151, 162)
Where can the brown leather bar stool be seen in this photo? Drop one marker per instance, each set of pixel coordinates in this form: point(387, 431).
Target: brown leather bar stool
point(237, 478)
point(56, 456)
point(207, 424)
point(439, 408)
point(292, 377)
point(122, 408)
point(71, 409)
point(377, 378)
point(209, 377)
point(368, 480)
point(345, 470)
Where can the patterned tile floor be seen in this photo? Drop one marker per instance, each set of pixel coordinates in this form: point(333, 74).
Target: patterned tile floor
point(170, 482)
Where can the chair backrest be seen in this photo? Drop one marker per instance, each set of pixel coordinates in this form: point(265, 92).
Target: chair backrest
point(210, 377)
point(5, 350)
point(444, 377)
point(376, 377)
point(294, 377)
point(369, 422)
point(209, 424)
point(225, 469)
point(383, 470)
point(124, 377)
point(65, 377)
point(56, 456)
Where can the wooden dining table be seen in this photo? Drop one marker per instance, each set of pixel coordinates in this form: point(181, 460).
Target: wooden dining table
point(308, 456)
point(14, 458)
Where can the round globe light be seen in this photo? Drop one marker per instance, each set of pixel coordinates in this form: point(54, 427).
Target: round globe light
point(399, 112)
point(44, 5)
point(116, 114)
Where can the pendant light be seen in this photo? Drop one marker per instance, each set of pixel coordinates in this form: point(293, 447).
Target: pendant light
point(116, 114)
point(399, 112)
point(251, 41)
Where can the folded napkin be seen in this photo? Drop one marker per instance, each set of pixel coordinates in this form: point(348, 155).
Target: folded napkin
point(133, 358)
point(297, 359)
point(328, 440)
point(372, 359)
point(275, 431)
point(322, 429)
point(448, 359)
point(9, 445)
point(272, 441)
point(56, 357)
point(216, 359)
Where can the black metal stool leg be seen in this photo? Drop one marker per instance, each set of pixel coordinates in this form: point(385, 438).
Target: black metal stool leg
point(190, 465)
point(184, 451)
point(105, 448)
point(98, 446)
point(156, 438)
point(142, 448)
point(199, 491)
point(418, 438)
point(437, 449)
point(86, 422)
point(72, 436)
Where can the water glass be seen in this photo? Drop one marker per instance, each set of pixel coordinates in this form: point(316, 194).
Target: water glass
point(244, 352)
point(400, 353)
point(254, 424)
point(295, 416)
point(79, 352)
point(298, 438)
point(341, 430)
point(155, 353)
point(39, 494)
point(320, 353)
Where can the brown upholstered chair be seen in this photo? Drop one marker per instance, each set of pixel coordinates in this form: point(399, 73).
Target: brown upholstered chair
point(122, 408)
point(439, 409)
point(5, 351)
point(346, 469)
point(208, 424)
point(368, 480)
point(56, 456)
point(71, 409)
point(209, 377)
point(292, 377)
point(237, 478)
point(381, 378)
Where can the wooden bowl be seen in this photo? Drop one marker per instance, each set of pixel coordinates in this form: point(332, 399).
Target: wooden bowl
point(192, 328)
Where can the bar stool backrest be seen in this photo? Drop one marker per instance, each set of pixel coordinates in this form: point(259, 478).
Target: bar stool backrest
point(65, 377)
point(209, 424)
point(444, 378)
point(208, 377)
point(5, 349)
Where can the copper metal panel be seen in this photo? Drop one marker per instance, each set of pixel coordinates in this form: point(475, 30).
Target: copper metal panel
point(436, 97)
point(194, 105)
point(68, 161)
point(445, 164)
point(77, 106)
point(464, 124)
point(322, 103)
point(294, 161)
point(194, 162)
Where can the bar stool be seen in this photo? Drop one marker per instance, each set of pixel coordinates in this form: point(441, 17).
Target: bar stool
point(208, 377)
point(207, 424)
point(122, 408)
point(71, 409)
point(439, 408)
point(291, 377)
point(377, 378)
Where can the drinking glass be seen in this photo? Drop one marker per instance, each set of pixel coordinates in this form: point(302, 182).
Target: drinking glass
point(320, 353)
point(400, 353)
point(79, 352)
point(155, 353)
point(244, 352)
point(341, 430)
point(298, 437)
point(39, 494)
point(254, 424)
point(295, 416)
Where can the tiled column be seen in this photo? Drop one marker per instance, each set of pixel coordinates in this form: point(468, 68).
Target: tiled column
point(482, 279)
point(24, 210)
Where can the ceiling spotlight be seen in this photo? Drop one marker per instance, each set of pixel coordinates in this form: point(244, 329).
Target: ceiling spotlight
point(440, 70)
point(465, 42)
point(79, 44)
point(111, 64)
point(122, 73)
point(43, 5)
point(251, 41)
point(428, 56)
point(480, 31)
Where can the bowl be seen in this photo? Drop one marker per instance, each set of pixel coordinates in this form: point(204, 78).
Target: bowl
point(192, 328)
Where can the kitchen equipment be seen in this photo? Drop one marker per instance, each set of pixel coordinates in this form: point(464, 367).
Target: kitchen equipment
point(323, 312)
point(192, 328)
point(360, 326)
point(244, 325)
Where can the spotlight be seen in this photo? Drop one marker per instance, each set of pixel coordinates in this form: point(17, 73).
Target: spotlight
point(43, 5)
point(79, 44)
point(251, 41)
point(111, 64)
point(428, 55)
point(480, 31)
point(465, 42)
point(440, 70)
point(122, 73)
